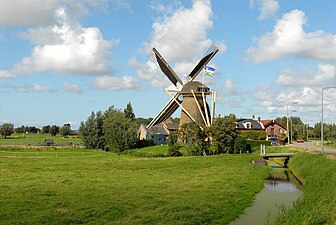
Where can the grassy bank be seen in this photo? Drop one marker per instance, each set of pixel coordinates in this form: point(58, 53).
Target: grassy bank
point(318, 205)
point(127, 190)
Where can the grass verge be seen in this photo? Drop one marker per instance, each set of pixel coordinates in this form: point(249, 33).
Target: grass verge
point(119, 189)
point(319, 198)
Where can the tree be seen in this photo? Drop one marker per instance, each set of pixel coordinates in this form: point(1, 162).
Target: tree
point(46, 129)
point(91, 131)
point(65, 130)
point(194, 138)
point(6, 129)
point(172, 144)
point(54, 130)
point(129, 111)
point(223, 133)
point(120, 132)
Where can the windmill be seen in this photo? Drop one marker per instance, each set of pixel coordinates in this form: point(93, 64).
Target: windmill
point(191, 97)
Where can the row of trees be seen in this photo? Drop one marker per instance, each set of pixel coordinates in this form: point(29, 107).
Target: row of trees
point(7, 129)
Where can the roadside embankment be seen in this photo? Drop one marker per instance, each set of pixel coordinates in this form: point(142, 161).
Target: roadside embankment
point(318, 204)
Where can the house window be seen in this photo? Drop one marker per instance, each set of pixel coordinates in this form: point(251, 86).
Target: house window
point(248, 125)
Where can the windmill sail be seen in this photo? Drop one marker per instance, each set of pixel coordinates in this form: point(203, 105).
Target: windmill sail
point(199, 67)
point(166, 112)
point(166, 69)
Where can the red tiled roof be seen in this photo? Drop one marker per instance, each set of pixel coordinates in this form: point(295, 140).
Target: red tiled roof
point(264, 122)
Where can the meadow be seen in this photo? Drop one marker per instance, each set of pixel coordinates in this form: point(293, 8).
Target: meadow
point(37, 140)
point(122, 189)
point(318, 205)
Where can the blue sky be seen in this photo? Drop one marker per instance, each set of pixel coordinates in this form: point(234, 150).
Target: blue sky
point(62, 59)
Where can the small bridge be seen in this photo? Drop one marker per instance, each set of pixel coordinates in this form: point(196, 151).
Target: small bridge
point(277, 155)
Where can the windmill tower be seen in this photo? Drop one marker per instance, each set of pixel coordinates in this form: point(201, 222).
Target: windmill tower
point(191, 97)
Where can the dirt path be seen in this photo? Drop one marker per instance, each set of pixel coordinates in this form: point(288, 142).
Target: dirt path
point(312, 147)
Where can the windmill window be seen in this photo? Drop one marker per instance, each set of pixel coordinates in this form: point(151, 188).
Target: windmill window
point(203, 89)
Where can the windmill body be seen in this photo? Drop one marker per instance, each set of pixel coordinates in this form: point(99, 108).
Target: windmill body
point(192, 96)
point(193, 103)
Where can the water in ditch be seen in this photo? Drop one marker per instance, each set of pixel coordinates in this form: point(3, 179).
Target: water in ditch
point(280, 189)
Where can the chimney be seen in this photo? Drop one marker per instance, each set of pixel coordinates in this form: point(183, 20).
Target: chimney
point(259, 119)
point(253, 117)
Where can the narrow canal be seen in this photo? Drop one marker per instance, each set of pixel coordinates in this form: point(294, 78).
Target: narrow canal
point(280, 189)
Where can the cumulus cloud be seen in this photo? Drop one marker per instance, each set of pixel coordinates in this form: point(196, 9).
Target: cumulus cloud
point(6, 74)
point(178, 48)
point(41, 88)
point(65, 47)
point(289, 38)
point(116, 83)
point(267, 8)
point(41, 12)
point(325, 76)
point(73, 88)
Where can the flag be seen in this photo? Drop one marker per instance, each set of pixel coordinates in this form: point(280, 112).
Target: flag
point(209, 71)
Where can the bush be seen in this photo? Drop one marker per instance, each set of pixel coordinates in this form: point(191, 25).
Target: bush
point(256, 135)
point(241, 145)
point(174, 151)
point(255, 144)
point(173, 148)
point(194, 138)
point(144, 143)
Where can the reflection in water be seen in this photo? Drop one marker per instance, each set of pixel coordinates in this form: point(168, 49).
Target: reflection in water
point(278, 190)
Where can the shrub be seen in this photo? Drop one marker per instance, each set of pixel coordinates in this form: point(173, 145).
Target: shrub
point(144, 143)
point(255, 144)
point(173, 148)
point(241, 145)
point(194, 138)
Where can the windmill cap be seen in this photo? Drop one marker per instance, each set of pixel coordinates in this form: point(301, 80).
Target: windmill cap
point(196, 86)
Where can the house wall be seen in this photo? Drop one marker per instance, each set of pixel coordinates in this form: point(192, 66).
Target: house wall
point(274, 130)
point(142, 133)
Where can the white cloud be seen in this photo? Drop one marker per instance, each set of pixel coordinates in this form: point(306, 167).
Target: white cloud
point(115, 83)
point(6, 74)
point(175, 46)
point(325, 76)
point(41, 88)
point(41, 12)
point(23, 12)
point(267, 8)
point(72, 88)
point(67, 48)
point(289, 38)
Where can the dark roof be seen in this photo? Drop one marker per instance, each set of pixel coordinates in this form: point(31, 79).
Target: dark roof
point(162, 128)
point(169, 124)
point(195, 86)
point(255, 124)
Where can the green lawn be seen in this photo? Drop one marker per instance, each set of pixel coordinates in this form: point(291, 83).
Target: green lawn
point(118, 189)
point(37, 139)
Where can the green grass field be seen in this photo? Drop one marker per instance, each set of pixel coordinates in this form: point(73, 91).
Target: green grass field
point(119, 189)
point(38, 139)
